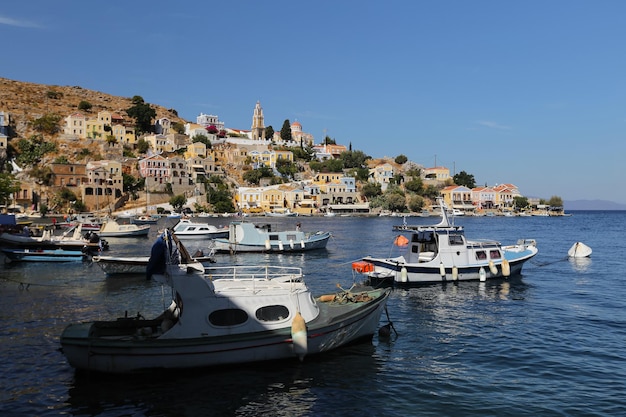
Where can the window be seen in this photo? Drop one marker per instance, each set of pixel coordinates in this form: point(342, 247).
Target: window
point(495, 254)
point(272, 313)
point(455, 240)
point(481, 255)
point(228, 317)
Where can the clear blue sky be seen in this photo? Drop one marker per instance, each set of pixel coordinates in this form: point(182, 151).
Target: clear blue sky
point(529, 92)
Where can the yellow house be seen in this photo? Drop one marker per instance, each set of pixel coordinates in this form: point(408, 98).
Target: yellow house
point(272, 198)
point(195, 150)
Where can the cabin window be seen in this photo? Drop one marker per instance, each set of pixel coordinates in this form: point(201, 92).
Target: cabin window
point(455, 240)
point(481, 255)
point(228, 317)
point(494, 254)
point(291, 237)
point(273, 237)
point(272, 313)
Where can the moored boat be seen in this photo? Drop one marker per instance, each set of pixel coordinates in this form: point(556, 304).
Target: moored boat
point(111, 228)
point(248, 237)
point(44, 255)
point(186, 229)
point(233, 315)
point(441, 252)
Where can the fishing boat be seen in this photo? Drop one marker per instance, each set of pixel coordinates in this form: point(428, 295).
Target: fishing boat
point(232, 315)
point(186, 229)
point(43, 255)
point(111, 228)
point(441, 252)
point(146, 219)
point(249, 237)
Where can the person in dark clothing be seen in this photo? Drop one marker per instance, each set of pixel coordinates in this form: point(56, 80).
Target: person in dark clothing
point(158, 257)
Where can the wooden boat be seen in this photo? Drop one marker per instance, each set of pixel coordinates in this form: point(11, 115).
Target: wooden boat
point(44, 255)
point(441, 252)
point(111, 228)
point(232, 315)
point(247, 237)
point(186, 229)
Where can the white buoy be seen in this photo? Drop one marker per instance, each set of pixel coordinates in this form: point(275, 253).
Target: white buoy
point(291, 243)
point(493, 268)
point(302, 244)
point(299, 336)
point(442, 270)
point(268, 245)
point(506, 268)
point(404, 274)
point(455, 273)
point(482, 275)
point(579, 250)
point(280, 245)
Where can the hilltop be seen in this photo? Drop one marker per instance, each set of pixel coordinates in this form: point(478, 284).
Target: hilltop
point(26, 102)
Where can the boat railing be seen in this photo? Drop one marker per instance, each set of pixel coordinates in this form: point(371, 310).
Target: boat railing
point(256, 273)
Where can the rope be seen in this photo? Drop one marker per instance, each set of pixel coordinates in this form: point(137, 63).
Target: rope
point(23, 285)
point(540, 264)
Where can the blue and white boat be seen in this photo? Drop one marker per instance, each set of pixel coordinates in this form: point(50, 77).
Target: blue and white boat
point(441, 252)
point(249, 237)
point(43, 255)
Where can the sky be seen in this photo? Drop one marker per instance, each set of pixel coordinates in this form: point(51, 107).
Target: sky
point(531, 93)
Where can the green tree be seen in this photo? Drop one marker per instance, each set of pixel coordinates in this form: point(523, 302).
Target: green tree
point(395, 201)
point(520, 202)
point(178, 127)
point(48, 123)
point(414, 185)
point(285, 131)
point(464, 179)
point(178, 202)
point(203, 139)
point(85, 106)
point(142, 146)
point(286, 168)
point(255, 175)
point(401, 159)
point(8, 187)
point(143, 114)
point(370, 190)
point(31, 150)
point(555, 201)
point(416, 203)
point(354, 159)
point(269, 133)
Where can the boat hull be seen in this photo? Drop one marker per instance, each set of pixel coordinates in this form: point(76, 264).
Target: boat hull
point(338, 325)
point(223, 246)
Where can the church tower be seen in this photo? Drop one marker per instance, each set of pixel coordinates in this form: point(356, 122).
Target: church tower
point(258, 125)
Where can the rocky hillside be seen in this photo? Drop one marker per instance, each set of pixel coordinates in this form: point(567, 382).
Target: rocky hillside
point(29, 101)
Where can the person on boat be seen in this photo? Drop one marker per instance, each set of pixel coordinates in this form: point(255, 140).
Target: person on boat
point(158, 254)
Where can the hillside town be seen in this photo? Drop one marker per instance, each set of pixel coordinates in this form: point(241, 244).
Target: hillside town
point(106, 161)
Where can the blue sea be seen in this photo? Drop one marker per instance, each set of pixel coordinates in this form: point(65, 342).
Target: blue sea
point(551, 342)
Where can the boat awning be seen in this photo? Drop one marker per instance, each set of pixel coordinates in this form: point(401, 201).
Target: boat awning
point(7, 219)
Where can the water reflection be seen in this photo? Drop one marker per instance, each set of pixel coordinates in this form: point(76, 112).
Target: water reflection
point(284, 388)
point(580, 264)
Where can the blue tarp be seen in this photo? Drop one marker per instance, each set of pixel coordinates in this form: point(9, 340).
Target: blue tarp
point(7, 219)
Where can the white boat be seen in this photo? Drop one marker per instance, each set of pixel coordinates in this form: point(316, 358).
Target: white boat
point(249, 237)
point(145, 219)
point(457, 213)
point(111, 228)
point(44, 255)
point(281, 213)
point(233, 315)
point(124, 265)
point(186, 229)
point(87, 221)
point(71, 239)
point(442, 253)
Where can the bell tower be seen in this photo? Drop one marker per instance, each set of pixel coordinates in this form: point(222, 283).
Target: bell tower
point(258, 125)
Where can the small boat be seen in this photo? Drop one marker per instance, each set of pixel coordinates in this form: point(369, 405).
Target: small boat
point(87, 221)
point(125, 265)
point(71, 239)
point(145, 219)
point(579, 250)
point(233, 315)
point(44, 255)
point(111, 228)
point(281, 213)
point(441, 252)
point(186, 229)
point(248, 237)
